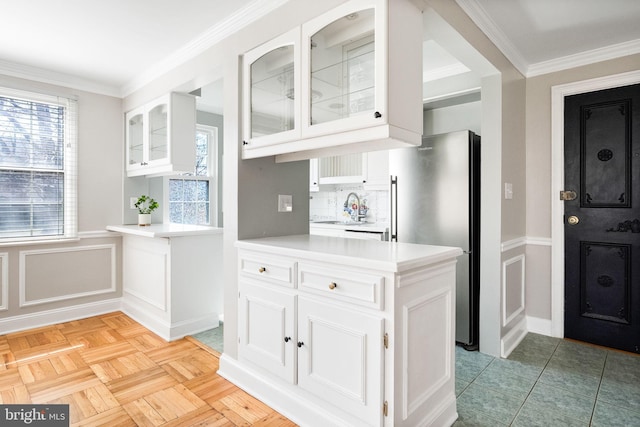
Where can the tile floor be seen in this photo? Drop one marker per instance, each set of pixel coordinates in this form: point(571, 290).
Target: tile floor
point(548, 382)
point(212, 338)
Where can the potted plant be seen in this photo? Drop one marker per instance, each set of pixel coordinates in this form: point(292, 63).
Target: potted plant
point(145, 206)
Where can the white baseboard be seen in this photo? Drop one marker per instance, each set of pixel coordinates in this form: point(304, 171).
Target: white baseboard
point(166, 330)
point(539, 326)
point(510, 341)
point(60, 315)
point(296, 408)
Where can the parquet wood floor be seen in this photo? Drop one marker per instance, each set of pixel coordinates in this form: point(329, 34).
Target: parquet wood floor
point(112, 371)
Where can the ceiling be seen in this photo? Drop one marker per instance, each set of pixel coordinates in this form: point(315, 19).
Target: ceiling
point(115, 46)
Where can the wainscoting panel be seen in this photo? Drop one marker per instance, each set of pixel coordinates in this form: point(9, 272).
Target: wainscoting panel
point(48, 275)
point(4, 281)
point(513, 288)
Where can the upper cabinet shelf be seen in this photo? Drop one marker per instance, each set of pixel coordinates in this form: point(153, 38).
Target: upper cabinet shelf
point(348, 81)
point(161, 136)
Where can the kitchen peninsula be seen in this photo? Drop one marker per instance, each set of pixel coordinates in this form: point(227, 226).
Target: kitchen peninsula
point(171, 277)
point(336, 331)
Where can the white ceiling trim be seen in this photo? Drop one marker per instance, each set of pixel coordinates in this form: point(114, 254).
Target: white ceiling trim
point(584, 58)
point(59, 79)
point(481, 18)
point(233, 23)
point(488, 26)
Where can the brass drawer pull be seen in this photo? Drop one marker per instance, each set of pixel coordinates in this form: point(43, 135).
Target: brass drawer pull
point(332, 285)
point(262, 269)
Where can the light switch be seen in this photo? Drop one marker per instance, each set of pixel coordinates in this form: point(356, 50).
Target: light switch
point(508, 190)
point(132, 202)
point(285, 203)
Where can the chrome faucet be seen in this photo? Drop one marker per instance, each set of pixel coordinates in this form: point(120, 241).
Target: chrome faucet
point(357, 215)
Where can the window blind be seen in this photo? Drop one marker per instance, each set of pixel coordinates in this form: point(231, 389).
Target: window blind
point(38, 166)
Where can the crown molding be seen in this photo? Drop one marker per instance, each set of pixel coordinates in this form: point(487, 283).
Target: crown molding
point(233, 23)
point(584, 58)
point(42, 75)
point(488, 26)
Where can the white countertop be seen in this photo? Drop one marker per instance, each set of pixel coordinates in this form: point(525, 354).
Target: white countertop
point(366, 226)
point(390, 256)
point(165, 230)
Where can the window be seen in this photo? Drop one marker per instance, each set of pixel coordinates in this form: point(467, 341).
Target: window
point(38, 145)
point(190, 196)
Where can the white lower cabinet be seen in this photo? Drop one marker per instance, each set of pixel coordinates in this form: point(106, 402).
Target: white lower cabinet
point(340, 357)
point(343, 332)
point(267, 329)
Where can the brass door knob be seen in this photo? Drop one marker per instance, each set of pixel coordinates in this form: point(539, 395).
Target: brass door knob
point(573, 220)
point(332, 285)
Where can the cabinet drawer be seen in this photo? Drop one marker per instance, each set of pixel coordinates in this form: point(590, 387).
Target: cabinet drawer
point(280, 271)
point(342, 283)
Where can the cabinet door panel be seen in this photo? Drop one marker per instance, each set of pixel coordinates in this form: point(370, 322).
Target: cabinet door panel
point(340, 358)
point(266, 318)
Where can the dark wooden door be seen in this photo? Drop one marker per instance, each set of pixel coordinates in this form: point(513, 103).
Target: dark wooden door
point(602, 224)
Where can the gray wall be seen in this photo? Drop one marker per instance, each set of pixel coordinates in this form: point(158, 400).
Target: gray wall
point(53, 281)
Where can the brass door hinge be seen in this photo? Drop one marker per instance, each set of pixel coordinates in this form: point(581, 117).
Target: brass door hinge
point(385, 408)
point(386, 340)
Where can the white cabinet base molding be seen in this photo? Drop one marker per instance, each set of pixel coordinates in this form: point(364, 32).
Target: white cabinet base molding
point(361, 334)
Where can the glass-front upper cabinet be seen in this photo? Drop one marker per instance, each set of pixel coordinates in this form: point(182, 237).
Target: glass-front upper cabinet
point(160, 136)
point(271, 78)
point(345, 68)
point(158, 127)
point(357, 84)
point(135, 137)
point(342, 68)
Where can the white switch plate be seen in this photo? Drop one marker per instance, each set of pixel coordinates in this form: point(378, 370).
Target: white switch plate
point(508, 190)
point(132, 202)
point(285, 203)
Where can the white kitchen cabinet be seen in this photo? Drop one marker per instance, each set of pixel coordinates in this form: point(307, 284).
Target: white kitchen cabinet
point(271, 88)
point(377, 171)
point(160, 136)
point(359, 87)
point(337, 331)
point(171, 284)
point(314, 182)
point(369, 169)
point(340, 353)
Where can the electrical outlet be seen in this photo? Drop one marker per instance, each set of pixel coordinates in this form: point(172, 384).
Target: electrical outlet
point(508, 190)
point(132, 202)
point(285, 203)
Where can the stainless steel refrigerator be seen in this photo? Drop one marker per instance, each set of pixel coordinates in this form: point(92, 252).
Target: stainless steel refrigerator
point(435, 200)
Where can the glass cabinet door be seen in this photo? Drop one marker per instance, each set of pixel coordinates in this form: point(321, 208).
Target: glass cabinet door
point(342, 67)
point(272, 92)
point(158, 126)
point(135, 138)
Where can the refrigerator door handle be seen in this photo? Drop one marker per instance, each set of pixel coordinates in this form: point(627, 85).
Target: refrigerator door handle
point(393, 235)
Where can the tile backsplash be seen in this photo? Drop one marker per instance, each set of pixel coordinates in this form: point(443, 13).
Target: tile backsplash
point(328, 204)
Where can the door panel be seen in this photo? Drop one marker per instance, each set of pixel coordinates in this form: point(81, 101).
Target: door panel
point(602, 225)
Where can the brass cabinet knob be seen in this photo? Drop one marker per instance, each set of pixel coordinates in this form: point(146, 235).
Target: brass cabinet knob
point(573, 220)
point(262, 269)
point(332, 285)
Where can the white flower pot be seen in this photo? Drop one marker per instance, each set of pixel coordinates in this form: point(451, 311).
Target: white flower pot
point(144, 219)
